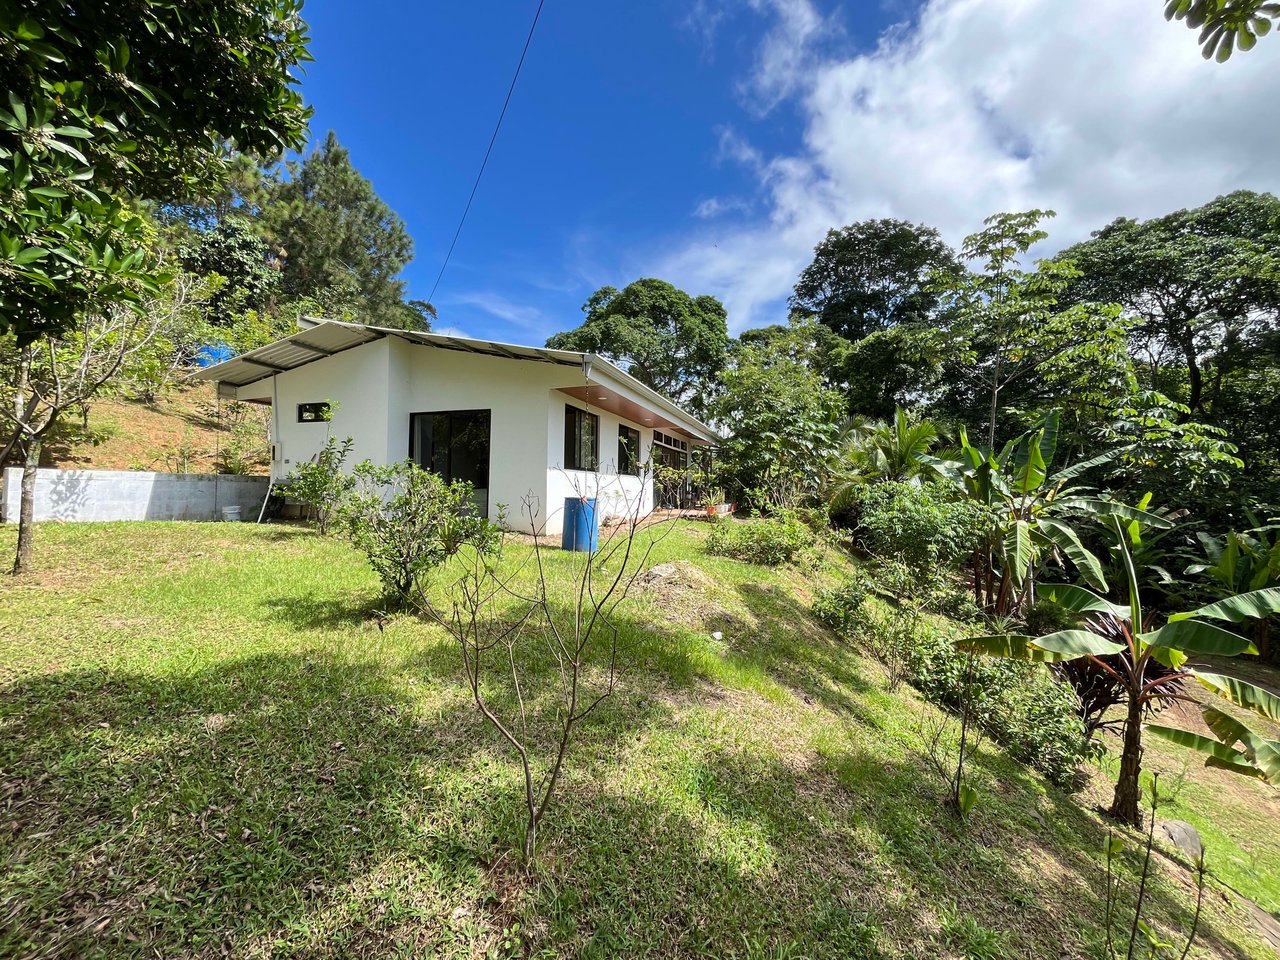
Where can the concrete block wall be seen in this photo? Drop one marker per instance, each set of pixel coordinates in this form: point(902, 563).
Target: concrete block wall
point(88, 495)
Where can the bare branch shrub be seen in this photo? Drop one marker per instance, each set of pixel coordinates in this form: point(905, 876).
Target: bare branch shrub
point(540, 649)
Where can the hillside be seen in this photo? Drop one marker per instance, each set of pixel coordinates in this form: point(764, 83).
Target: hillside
point(214, 744)
point(182, 431)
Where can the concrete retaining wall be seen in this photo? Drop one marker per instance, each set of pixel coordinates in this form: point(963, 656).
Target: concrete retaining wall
point(78, 495)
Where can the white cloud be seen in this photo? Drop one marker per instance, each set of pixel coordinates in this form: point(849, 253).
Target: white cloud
point(516, 314)
point(718, 206)
point(1095, 109)
point(787, 53)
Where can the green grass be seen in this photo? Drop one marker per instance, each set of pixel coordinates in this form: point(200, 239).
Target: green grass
point(210, 746)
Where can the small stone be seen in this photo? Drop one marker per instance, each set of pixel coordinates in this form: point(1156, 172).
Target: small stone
point(659, 572)
point(717, 635)
point(1182, 835)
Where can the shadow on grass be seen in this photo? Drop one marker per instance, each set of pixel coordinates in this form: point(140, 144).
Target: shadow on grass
point(325, 612)
point(793, 647)
point(208, 811)
point(739, 854)
point(302, 800)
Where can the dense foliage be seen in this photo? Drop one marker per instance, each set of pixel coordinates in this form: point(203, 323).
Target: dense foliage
point(1024, 707)
point(769, 541)
point(785, 420)
point(921, 525)
point(110, 104)
point(662, 336)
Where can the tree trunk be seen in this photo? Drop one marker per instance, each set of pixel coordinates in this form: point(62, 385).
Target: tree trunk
point(977, 579)
point(1124, 805)
point(27, 511)
point(530, 846)
point(1195, 382)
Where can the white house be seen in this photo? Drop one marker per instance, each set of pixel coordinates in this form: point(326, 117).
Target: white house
point(516, 422)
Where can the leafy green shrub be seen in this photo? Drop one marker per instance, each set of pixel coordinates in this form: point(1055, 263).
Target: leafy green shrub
point(1045, 616)
point(920, 524)
point(1023, 706)
point(886, 629)
point(770, 541)
point(407, 521)
point(840, 608)
point(321, 484)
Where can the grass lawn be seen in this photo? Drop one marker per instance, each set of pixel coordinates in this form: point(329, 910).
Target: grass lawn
point(212, 745)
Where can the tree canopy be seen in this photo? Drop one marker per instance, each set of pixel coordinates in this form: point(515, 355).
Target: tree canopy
point(872, 275)
point(339, 242)
point(1202, 284)
point(111, 103)
point(665, 338)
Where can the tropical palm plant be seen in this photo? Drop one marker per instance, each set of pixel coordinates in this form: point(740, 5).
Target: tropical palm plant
point(875, 450)
point(1238, 747)
point(1031, 510)
point(1184, 635)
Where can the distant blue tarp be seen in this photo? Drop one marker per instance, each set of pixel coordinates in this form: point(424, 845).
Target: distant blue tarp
point(212, 353)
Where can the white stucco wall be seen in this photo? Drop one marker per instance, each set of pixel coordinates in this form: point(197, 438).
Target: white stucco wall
point(377, 386)
point(616, 495)
point(356, 382)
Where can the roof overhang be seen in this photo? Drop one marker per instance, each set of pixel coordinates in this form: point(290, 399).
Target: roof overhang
point(323, 338)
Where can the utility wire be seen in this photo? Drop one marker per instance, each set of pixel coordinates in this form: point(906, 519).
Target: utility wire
point(498, 126)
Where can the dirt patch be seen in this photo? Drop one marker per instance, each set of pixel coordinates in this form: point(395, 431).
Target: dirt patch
point(178, 432)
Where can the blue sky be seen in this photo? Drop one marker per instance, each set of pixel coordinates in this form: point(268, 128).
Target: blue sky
point(713, 142)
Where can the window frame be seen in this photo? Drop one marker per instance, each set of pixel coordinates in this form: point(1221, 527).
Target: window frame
point(575, 458)
point(628, 459)
point(415, 454)
point(315, 411)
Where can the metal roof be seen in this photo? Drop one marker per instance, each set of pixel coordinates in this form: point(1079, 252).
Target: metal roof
point(323, 338)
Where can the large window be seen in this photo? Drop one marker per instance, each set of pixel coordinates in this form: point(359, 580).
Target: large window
point(581, 439)
point(454, 444)
point(628, 450)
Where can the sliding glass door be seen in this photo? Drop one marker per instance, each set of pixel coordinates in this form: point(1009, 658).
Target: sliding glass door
point(455, 445)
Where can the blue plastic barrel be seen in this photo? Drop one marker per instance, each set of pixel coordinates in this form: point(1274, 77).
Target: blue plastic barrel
point(581, 525)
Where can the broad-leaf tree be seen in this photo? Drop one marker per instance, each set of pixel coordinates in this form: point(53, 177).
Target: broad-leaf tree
point(40, 382)
point(1224, 24)
point(236, 252)
point(1016, 330)
point(107, 103)
point(785, 421)
point(1193, 633)
point(871, 276)
point(1200, 285)
point(662, 336)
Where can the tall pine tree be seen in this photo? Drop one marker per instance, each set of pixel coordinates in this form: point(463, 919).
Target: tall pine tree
point(341, 245)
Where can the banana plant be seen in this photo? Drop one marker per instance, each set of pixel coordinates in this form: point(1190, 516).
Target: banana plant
point(1031, 509)
point(1248, 560)
point(1182, 636)
point(1238, 747)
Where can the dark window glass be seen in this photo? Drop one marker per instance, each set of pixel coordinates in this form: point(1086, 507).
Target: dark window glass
point(581, 439)
point(313, 412)
point(628, 450)
point(455, 445)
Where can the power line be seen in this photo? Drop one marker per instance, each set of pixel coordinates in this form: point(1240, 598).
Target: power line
point(485, 162)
